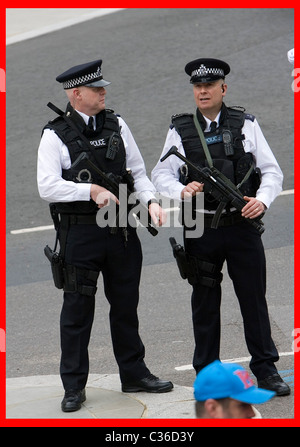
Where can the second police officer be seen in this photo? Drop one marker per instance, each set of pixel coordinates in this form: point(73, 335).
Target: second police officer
point(235, 145)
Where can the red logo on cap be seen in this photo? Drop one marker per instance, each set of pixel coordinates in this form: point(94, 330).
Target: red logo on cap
point(245, 378)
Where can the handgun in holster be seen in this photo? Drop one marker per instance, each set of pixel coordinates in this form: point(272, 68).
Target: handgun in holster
point(56, 266)
point(185, 269)
point(195, 270)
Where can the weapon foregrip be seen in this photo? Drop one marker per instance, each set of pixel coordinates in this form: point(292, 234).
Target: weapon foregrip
point(152, 230)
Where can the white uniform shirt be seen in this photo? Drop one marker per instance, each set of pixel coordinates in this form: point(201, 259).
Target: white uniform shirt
point(53, 156)
point(165, 175)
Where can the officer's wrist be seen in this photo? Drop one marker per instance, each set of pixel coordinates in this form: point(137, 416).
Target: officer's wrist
point(152, 201)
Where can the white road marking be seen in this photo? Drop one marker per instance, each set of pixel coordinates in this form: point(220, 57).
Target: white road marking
point(234, 360)
point(287, 192)
point(32, 230)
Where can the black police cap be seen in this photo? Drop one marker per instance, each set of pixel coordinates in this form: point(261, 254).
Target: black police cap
point(88, 74)
point(206, 70)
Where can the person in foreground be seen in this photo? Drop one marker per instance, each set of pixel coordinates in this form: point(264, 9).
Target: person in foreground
point(226, 391)
point(230, 141)
point(89, 131)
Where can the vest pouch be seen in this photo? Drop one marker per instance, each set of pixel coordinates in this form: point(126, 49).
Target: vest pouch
point(249, 183)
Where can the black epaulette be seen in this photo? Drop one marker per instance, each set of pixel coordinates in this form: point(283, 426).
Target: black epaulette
point(240, 108)
point(58, 118)
point(178, 115)
point(53, 123)
point(113, 112)
point(247, 116)
point(250, 117)
point(181, 114)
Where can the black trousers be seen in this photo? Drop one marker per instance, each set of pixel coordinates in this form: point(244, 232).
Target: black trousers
point(95, 248)
point(241, 246)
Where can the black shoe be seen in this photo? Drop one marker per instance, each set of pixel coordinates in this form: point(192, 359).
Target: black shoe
point(150, 384)
point(275, 383)
point(73, 400)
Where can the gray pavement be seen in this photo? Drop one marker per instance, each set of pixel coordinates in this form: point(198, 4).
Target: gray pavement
point(39, 396)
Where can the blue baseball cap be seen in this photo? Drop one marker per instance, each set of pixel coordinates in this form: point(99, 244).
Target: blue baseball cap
point(228, 380)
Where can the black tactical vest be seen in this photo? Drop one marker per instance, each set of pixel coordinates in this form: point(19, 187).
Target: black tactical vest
point(228, 157)
point(107, 127)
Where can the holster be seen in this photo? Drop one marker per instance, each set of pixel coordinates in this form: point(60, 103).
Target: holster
point(55, 258)
point(181, 259)
point(193, 269)
point(56, 266)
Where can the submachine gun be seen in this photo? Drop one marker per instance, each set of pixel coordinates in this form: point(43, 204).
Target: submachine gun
point(224, 192)
point(113, 186)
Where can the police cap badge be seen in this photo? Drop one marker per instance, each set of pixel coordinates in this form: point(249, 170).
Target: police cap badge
point(206, 70)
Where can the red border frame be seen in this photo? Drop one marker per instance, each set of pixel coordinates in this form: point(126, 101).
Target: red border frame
point(129, 422)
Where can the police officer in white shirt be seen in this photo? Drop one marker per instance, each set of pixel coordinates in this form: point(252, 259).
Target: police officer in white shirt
point(77, 192)
point(235, 145)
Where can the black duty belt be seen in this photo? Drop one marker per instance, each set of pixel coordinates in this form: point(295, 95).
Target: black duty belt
point(79, 219)
point(86, 219)
point(226, 220)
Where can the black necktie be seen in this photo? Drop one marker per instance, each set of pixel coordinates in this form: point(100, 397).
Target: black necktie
point(213, 126)
point(91, 123)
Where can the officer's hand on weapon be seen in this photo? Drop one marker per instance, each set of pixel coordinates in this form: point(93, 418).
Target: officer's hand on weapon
point(191, 190)
point(158, 214)
point(254, 208)
point(102, 196)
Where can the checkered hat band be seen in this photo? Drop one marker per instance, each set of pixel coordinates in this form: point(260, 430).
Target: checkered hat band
point(203, 71)
point(71, 83)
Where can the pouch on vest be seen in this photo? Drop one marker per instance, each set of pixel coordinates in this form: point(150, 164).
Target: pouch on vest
point(248, 177)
